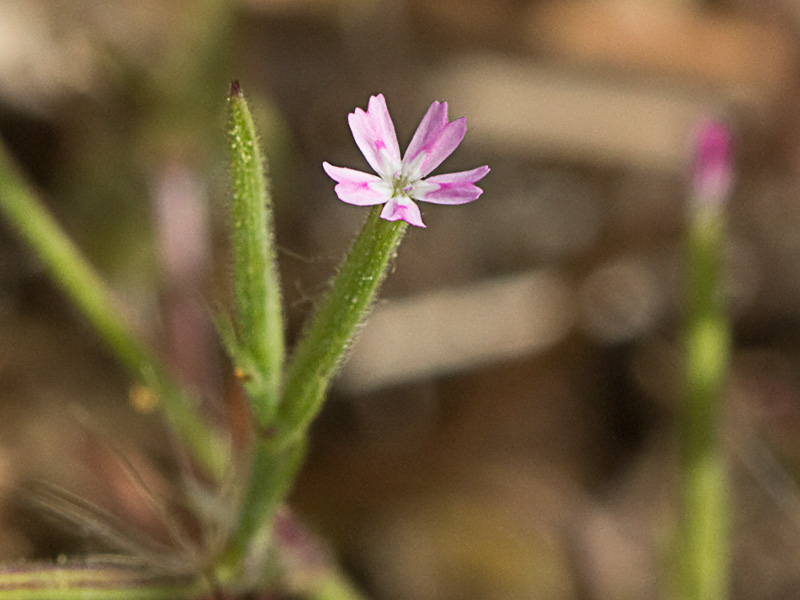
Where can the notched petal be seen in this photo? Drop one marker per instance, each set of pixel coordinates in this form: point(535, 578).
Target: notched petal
point(434, 140)
point(375, 136)
point(470, 176)
point(430, 126)
point(356, 187)
point(443, 146)
point(451, 188)
point(340, 174)
point(400, 208)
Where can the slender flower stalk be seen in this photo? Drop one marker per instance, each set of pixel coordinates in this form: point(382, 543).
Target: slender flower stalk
point(398, 184)
point(336, 322)
point(326, 340)
point(703, 548)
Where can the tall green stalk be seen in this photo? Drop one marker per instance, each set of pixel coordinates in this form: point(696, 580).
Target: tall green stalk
point(280, 450)
point(703, 549)
point(284, 401)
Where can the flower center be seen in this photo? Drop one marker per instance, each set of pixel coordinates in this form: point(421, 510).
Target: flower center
point(401, 186)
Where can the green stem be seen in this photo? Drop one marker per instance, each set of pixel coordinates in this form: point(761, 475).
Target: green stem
point(100, 579)
point(279, 450)
point(20, 205)
point(703, 550)
point(271, 477)
point(112, 578)
point(335, 324)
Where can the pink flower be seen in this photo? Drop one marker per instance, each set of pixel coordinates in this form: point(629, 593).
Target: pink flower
point(400, 182)
point(713, 162)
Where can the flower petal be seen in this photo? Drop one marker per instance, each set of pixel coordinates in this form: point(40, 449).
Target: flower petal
point(402, 208)
point(434, 140)
point(357, 187)
point(375, 136)
point(450, 188)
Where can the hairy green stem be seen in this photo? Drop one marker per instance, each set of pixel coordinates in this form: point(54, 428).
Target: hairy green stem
point(335, 324)
point(319, 354)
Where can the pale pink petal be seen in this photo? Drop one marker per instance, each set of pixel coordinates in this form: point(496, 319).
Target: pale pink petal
point(402, 208)
point(375, 136)
point(450, 188)
point(430, 126)
point(434, 140)
point(357, 187)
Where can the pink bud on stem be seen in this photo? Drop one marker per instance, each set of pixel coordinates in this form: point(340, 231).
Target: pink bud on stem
point(713, 163)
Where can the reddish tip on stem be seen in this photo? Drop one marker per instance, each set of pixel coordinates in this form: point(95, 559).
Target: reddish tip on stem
point(236, 89)
point(713, 160)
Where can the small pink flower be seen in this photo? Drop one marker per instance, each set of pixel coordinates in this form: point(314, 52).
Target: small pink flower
point(400, 182)
point(713, 161)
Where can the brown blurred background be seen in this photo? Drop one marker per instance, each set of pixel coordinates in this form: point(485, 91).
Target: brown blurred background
point(504, 426)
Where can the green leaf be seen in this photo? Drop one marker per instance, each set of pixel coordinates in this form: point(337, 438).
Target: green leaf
point(259, 320)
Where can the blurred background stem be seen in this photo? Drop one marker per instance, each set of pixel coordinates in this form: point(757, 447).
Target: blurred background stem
point(66, 265)
point(103, 579)
point(703, 551)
